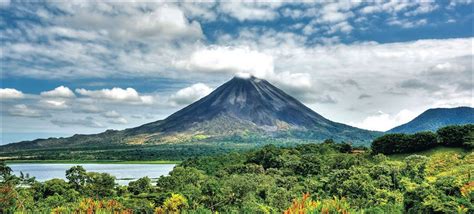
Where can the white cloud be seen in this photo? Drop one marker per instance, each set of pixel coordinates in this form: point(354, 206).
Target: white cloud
point(335, 16)
point(55, 104)
point(406, 23)
point(88, 108)
point(383, 121)
point(238, 60)
point(201, 10)
point(128, 95)
point(111, 114)
point(59, 92)
point(229, 60)
point(161, 21)
point(21, 110)
point(243, 11)
point(343, 27)
point(447, 67)
point(119, 121)
point(371, 9)
point(167, 21)
point(423, 8)
point(86, 122)
point(4, 3)
point(190, 94)
point(294, 82)
point(10, 93)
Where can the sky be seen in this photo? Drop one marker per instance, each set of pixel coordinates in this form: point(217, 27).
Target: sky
point(85, 66)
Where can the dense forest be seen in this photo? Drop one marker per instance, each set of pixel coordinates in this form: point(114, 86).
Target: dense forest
point(328, 177)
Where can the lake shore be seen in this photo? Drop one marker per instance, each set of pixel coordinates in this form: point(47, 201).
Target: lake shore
point(94, 161)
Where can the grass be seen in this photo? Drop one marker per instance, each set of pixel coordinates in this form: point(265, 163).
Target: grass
point(95, 161)
point(431, 152)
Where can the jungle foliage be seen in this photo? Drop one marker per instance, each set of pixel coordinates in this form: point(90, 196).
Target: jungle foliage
point(312, 178)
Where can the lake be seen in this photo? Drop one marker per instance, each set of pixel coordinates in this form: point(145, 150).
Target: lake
point(123, 172)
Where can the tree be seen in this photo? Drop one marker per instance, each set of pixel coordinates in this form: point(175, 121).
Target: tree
point(268, 157)
point(54, 186)
point(455, 135)
point(422, 141)
point(100, 184)
point(77, 177)
point(345, 147)
point(142, 185)
point(469, 140)
point(6, 175)
point(415, 167)
point(389, 143)
point(404, 143)
point(329, 141)
point(175, 203)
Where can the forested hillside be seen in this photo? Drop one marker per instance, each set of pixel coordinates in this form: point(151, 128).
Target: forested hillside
point(312, 178)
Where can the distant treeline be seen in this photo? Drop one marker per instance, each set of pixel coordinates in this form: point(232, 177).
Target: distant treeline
point(451, 136)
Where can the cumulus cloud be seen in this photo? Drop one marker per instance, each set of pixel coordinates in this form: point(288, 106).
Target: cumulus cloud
point(86, 122)
point(22, 110)
point(164, 21)
point(190, 94)
point(383, 121)
point(10, 93)
point(59, 92)
point(229, 60)
point(128, 95)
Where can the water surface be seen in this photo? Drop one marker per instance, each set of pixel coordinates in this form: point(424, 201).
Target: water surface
point(123, 172)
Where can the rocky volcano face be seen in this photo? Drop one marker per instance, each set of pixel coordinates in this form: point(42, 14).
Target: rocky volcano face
point(250, 105)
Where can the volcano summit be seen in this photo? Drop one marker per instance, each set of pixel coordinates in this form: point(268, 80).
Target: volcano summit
point(242, 107)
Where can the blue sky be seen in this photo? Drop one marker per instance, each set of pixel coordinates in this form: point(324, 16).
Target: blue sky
point(84, 67)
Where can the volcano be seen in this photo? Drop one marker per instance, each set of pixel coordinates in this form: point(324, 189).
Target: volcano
point(250, 104)
point(242, 107)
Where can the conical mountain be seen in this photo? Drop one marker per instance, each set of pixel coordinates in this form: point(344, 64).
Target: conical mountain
point(251, 105)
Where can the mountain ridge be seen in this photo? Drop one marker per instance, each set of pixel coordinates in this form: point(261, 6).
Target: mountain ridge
point(434, 118)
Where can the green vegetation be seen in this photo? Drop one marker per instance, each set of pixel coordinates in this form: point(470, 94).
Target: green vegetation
point(332, 178)
point(450, 136)
point(164, 152)
point(424, 173)
point(96, 161)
